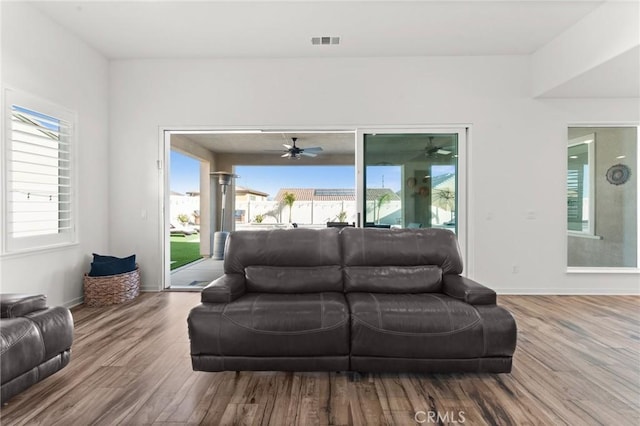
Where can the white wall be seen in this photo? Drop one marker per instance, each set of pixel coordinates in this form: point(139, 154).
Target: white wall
point(517, 144)
point(43, 59)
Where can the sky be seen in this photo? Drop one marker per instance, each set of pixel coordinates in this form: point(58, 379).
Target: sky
point(185, 176)
point(184, 173)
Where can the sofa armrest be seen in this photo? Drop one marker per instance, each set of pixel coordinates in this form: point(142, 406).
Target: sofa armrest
point(468, 290)
point(19, 305)
point(225, 289)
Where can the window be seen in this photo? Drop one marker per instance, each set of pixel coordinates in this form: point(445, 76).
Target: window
point(38, 164)
point(602, 197)
point(411, 179)
point(580, 190)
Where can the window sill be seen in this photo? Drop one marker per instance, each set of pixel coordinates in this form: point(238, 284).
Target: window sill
point(601, 270)
point(37, 251)
point(583, 235)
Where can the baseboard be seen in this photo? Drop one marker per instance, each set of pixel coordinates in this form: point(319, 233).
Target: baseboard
point(565, 292)
point(74, 302)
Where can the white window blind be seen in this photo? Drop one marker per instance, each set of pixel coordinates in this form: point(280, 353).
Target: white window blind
point(39, 184)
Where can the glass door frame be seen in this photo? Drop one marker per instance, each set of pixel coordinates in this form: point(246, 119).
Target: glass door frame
point(462, 209)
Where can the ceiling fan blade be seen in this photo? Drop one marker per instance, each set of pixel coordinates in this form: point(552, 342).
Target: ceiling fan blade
point(286, 155)
point(287, 146)
point(308, 154)
point(432, 150)
point(443, 152)
point(313, 149)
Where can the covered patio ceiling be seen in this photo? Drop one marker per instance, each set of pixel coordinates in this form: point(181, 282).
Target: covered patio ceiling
point(337, 147)
point(269, 143)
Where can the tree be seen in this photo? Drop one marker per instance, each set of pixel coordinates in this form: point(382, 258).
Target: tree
point(383, 199)
point(183, 218)
point(288, 199)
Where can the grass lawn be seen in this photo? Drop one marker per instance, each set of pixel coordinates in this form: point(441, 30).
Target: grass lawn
point(184, 249)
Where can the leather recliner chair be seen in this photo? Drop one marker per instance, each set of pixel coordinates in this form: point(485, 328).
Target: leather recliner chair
point(35, 341)
point(369, 300)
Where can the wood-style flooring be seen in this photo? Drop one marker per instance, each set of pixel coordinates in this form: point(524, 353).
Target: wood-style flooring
point(577, 363)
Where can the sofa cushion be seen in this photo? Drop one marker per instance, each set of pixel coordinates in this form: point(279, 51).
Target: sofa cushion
point(282, 247)
point(401, 247)
point(312, 324)
point(393, 279)
point(427, 325)
point(290, 279)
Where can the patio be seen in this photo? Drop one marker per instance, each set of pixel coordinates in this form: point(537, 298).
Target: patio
point(196, 275)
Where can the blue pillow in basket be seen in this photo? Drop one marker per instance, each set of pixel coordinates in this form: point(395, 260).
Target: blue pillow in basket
point(111, 265)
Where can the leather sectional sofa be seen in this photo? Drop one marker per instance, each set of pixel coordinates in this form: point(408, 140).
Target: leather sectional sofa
point(356, 299)
point(35, 341)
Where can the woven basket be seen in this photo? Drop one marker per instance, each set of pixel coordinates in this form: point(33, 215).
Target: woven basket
point(111, 289)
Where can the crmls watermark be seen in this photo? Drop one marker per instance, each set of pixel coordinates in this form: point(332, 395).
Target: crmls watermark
point(447, 417)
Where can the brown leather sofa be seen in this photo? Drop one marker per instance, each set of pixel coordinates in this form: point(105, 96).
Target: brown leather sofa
point(35, 341)
point(356, 299)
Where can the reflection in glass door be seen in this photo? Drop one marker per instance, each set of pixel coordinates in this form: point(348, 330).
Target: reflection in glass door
point(411, 180)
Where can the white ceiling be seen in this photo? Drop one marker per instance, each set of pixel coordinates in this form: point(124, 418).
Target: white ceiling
point(213, 29)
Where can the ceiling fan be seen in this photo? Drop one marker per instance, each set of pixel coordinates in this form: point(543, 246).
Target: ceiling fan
point(432, 150)
point(296, 152)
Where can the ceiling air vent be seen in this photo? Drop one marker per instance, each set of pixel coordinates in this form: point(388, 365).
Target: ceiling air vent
point(325, 40)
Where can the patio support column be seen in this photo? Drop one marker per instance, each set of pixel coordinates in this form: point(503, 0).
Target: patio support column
point(205, 209)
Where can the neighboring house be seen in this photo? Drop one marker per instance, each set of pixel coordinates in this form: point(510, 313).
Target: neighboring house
point(248, 194)
point(244, 196)
point(189, 203)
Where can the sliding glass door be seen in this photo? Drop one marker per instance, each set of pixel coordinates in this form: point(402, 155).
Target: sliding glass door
point(412, 179)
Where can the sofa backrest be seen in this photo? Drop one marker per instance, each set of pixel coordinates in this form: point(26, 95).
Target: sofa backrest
point(398, 260)
point(286, 260)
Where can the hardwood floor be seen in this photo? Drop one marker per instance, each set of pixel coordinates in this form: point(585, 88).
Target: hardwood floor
point(577, 363)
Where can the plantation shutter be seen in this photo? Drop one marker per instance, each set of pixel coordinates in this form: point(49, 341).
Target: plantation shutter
point(39, 178)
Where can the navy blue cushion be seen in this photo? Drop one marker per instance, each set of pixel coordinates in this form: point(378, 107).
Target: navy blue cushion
point(98, 258)
point(103, 266)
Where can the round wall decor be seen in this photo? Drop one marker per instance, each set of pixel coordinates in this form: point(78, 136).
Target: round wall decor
point(618, 174)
